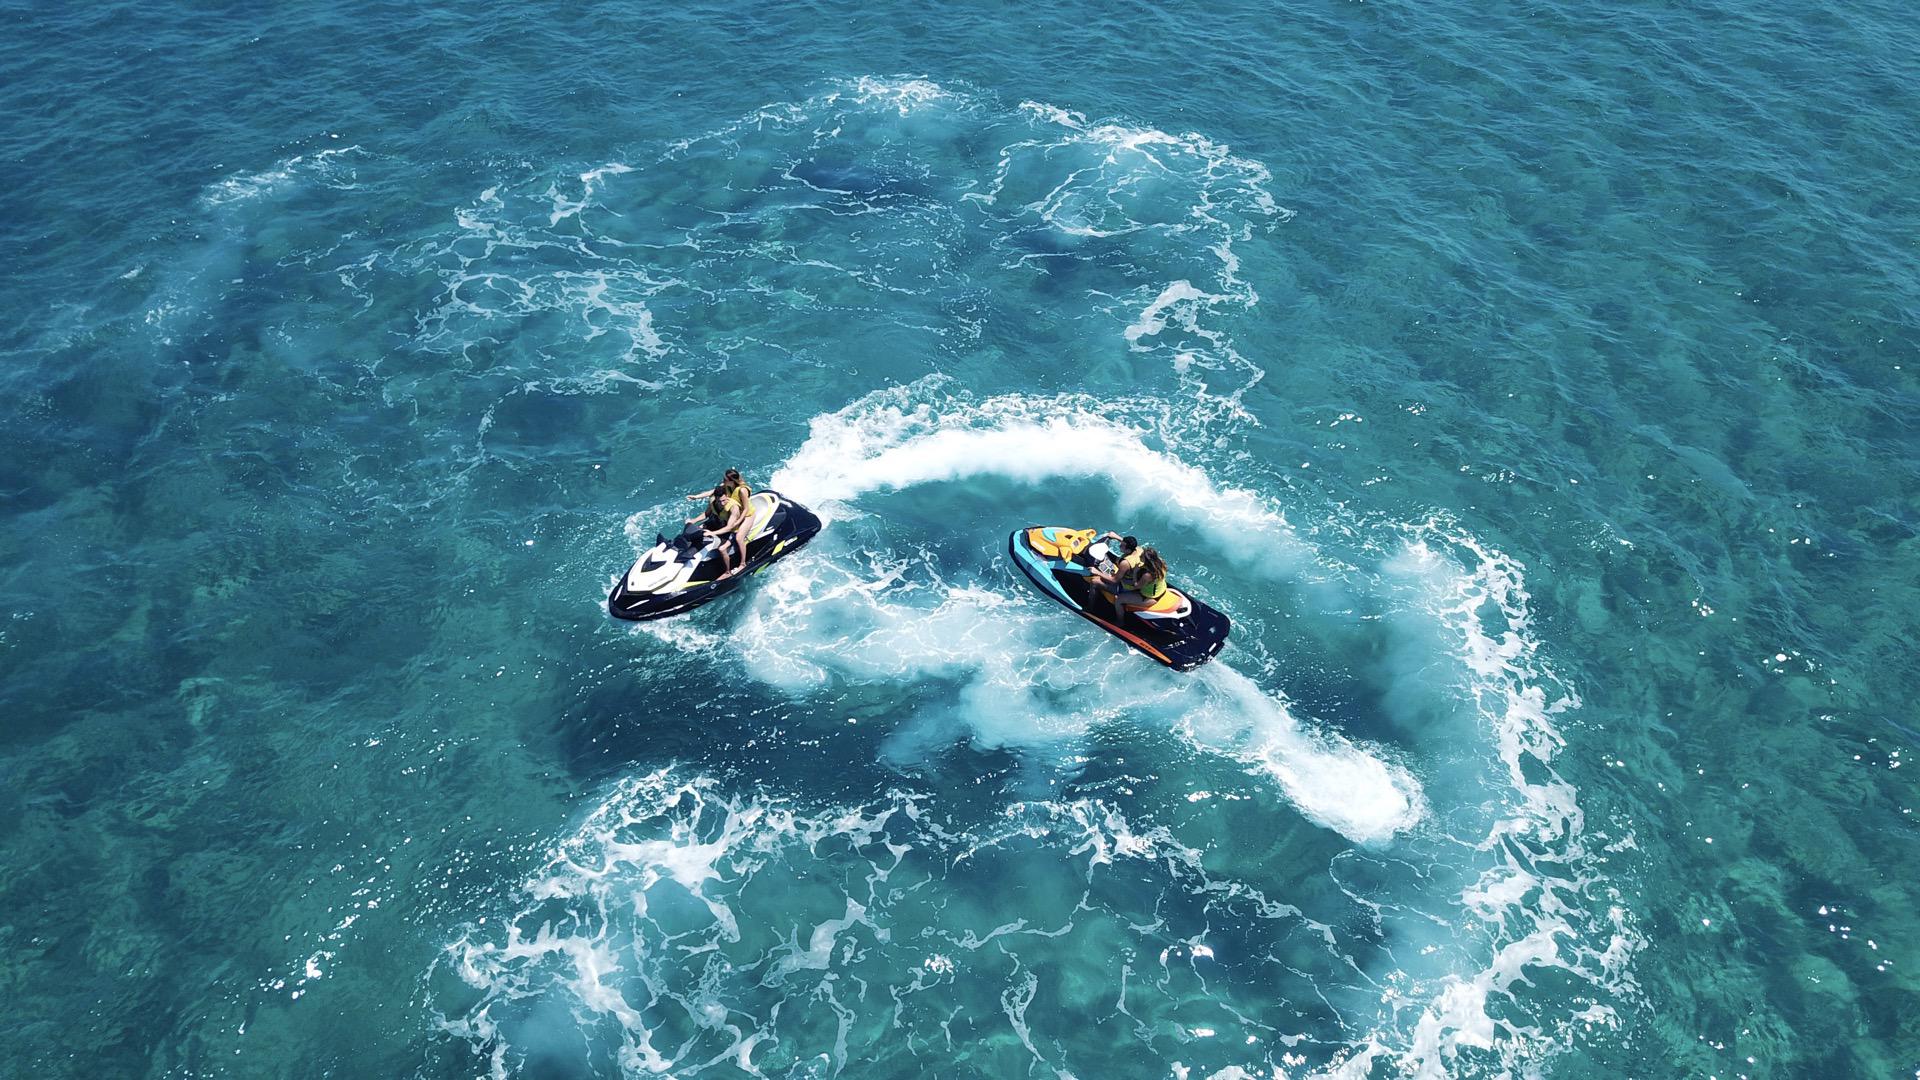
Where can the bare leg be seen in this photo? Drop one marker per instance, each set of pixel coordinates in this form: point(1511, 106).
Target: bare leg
point(741, 535)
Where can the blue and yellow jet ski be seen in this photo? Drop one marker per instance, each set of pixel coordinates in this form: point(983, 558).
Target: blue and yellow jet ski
point(1175, 629)
point(682, 573)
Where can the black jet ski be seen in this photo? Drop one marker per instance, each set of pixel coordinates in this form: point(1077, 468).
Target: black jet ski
point(1175, 629)
point(682, 573)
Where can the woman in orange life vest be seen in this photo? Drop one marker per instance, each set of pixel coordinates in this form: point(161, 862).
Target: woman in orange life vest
point(729, 512)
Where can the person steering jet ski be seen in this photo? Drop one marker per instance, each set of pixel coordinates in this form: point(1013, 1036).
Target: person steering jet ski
point(729, 514)
point(1110, 551)
point(722, 517)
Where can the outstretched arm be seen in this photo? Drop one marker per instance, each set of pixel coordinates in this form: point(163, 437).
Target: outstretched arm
point(733, 521)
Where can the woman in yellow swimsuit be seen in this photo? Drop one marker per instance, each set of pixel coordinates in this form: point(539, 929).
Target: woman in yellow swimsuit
point(742, 497)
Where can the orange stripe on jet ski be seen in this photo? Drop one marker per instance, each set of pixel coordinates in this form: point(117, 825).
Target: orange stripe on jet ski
point(1144, 647)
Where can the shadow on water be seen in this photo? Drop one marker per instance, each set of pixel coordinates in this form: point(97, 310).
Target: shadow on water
point(868, 182)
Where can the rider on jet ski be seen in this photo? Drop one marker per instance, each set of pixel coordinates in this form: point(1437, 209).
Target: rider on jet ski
point(729, 513)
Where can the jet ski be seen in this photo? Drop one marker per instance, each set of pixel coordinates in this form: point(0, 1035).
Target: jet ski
point(682, 573)
point(1175, 629)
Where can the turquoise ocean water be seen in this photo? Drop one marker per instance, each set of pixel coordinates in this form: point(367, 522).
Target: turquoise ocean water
point(1534, 385)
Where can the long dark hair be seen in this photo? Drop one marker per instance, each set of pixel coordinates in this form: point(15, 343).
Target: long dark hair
point(731, 480)
point(1151, 564)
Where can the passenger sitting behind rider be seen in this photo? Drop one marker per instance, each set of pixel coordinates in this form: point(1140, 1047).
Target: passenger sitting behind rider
point(1144, 583)
point(742, 495)
point(725, 520)
point(1139, 576)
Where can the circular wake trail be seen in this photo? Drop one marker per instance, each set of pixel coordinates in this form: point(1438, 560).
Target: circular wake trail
point(1449, 916)
point(867, 626)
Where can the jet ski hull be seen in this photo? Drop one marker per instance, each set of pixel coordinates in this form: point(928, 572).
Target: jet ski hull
point(1180, 631)
point(678, 575)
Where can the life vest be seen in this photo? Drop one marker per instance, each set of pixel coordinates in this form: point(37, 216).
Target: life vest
point(1132, 574)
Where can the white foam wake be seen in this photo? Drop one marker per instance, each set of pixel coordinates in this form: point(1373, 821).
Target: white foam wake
point(332, 168)
point(1535, 879)
point(1355, 791)
point(687, 929)
point(1026, 678)
point(920, 434)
